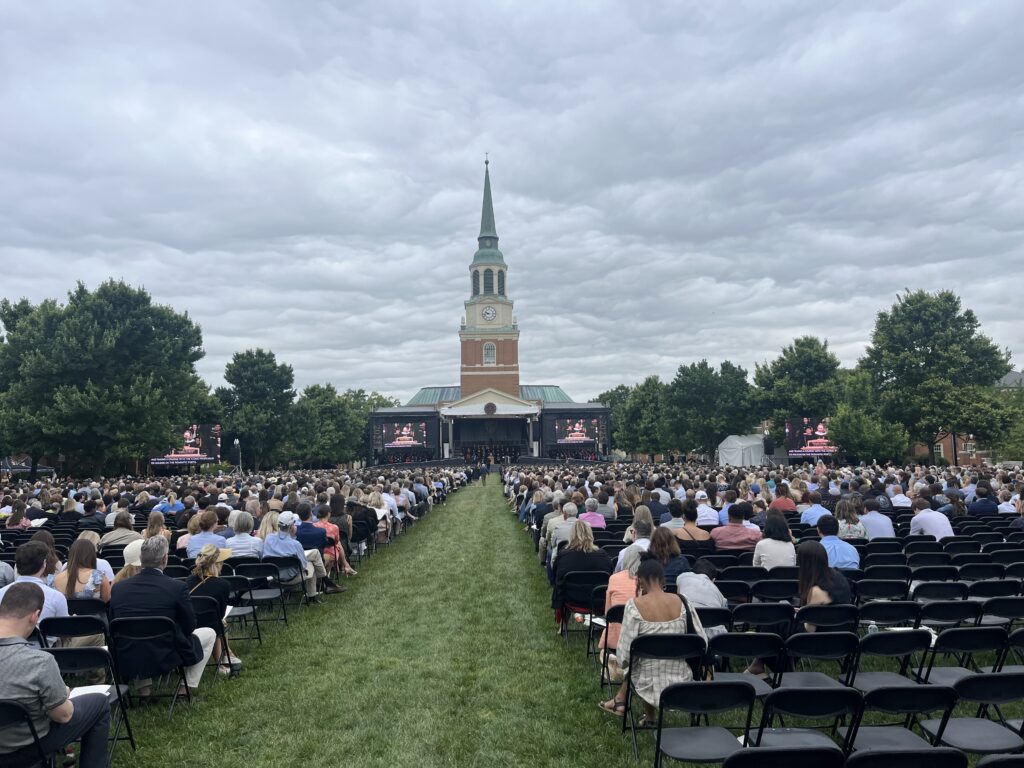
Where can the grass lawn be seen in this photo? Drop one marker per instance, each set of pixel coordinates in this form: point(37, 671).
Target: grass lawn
point(443, 652)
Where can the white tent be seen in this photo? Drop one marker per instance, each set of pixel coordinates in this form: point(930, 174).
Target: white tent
point(741, 450)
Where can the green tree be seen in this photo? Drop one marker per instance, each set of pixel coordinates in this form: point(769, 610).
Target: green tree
point(704, 406)
point(1010, 447)
point(328, 428)
point(642, 423)
point(615, 399)
point(107, 377)
point(256, 404)
point(801, 381)
point(934, 371)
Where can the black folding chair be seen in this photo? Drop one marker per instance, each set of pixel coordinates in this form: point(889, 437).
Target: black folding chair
point(265, 588)
point(744, 647)
point(899, 647)
point(786, 757)
point(932, 757)
point(82, 661)
point(963, 644)
point(890, 613)
point(131, 640)
point(980, 734)
point(838, 647)
point(74, 626)
point(775, 591)
point(697, 743)
point(648, 649)
point(577, 591)
point(909, 702)
point(13, 713)
point(835, 704)
point(208, 614)
point(243, 609)
point(612, 617)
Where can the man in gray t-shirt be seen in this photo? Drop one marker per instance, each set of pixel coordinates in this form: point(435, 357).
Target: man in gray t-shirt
point(31, 678)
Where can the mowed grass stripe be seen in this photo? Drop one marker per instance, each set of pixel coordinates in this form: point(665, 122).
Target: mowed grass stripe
point(442, 653)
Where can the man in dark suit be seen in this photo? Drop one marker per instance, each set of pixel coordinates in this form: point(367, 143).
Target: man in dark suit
point(151, 593)
point(659, 511)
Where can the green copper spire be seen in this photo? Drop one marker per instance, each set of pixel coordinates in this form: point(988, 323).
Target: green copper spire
point(487, 216)
point(488, 252)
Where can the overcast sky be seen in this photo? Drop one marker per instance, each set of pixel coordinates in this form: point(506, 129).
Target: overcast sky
point(671, 182)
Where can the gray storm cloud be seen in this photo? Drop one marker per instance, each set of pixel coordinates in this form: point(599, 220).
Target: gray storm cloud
point(670, 183)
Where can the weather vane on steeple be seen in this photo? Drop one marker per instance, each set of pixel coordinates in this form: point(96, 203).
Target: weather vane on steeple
point(486, 160)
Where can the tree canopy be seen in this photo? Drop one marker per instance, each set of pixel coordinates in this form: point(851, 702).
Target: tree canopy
point(934, 371)
point(107, 377)
point(704, 406)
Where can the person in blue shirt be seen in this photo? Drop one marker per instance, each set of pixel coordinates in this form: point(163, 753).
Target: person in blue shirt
point(983, 503)
point(284, 544)
point(815, 512)
point(841, 554)
point(207, 522)
point(723, 514)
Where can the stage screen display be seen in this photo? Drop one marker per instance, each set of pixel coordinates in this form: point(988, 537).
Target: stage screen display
point(577, 431)
point(405, 434)
point(200, 445)
point(807, 437)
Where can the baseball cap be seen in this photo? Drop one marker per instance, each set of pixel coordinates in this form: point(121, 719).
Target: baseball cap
point(701, 496)
point(755, 488)
point(133, 553)
point(222, 497)
point(287, 520)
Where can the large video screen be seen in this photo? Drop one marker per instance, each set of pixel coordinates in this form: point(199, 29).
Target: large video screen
point(200, 445)
point(405, 434)
point(807, 436)
point(572, 431)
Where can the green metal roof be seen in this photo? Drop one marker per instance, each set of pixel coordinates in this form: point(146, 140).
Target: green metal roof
point(547, 393)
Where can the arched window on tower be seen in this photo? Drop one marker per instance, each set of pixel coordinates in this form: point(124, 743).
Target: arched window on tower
point(501, 282)
point(488, 281)
point(476, 282)
point(490, 354)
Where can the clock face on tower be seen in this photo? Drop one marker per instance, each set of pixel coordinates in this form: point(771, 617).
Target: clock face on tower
point(488, 313)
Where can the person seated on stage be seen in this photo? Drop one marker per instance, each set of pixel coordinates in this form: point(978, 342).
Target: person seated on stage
point(151, 593)
point(31, 677)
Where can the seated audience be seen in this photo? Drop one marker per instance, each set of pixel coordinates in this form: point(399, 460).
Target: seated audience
point(850, 526)
point(205, 581)
point(196, 541)
point(642, 529)
point(665, 549)
point(840, 553)
point(929, 522)
point(122, 532)
point(876, 525)
point(736, 536)
point(82, 578)
point(591, 516)
point(693, 540)
point(333, 553)
point(580, 554)
point(311, 564)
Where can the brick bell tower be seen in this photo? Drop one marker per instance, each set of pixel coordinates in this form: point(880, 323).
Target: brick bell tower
point(489, 332)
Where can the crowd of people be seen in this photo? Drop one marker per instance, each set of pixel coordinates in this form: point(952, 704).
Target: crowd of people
point(651, 527)
point(114, 541)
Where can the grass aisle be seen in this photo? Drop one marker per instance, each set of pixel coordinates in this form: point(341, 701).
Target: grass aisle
point(442, 653)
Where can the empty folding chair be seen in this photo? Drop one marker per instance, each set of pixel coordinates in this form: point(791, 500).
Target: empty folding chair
point(920, 559)
point(914, 547)
point(734, 591)
point(883, 545)
point(715, 617)
point(833, 618)
point(890, 613)
point(764, 617)
point(721, 562)
point(833, 704)
point(900, 649)
point(956, 545)
point(943, 614)
point(963, 644)
point(1009, 556)
point(1002, 611)
point(888, 572)
point(965, 558)
point(747, 573)
point(932, 757)
point(1013, 654)
point(612, 617)
point(884, 558)
point(981, 571)
point(939, 590)
point(784, 573)
point(910, 702)
point(775, 591)
point(980, 735)
point(881, 589)
point(786, 757)
point(745, 647)
point(1001, 761)
point(934, 573)
point(709, 743)
point(837, 647)
point(983, 590)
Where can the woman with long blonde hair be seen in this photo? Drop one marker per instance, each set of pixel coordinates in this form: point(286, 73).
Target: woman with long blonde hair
point(155, 526)
point(268, 524)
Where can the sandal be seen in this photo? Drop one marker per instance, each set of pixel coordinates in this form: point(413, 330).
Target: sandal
point(613, 706)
